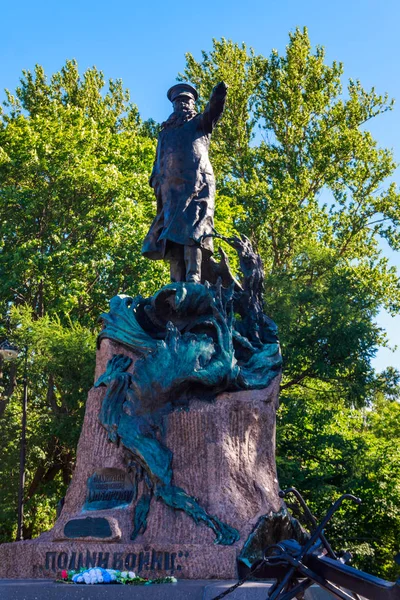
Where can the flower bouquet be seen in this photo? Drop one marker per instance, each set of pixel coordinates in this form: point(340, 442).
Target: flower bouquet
point(99, 575)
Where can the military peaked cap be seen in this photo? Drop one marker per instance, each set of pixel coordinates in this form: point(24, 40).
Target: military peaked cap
point(182, 89)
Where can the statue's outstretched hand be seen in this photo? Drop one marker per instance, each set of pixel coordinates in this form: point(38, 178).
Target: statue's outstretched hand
point(220, 89)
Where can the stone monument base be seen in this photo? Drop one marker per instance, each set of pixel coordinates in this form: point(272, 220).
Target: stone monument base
point(223, 456)
point(46, 559)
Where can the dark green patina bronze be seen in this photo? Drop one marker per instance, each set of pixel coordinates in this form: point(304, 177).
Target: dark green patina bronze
point(97, 527)
point(126, 422)
point(193, 340)
point(269, 530)
point(209, 338)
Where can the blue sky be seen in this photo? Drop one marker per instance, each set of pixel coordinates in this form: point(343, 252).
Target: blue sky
point(144, 44)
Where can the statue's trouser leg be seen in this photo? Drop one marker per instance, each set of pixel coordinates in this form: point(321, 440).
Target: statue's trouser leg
point(193, 257)
point(177, 268)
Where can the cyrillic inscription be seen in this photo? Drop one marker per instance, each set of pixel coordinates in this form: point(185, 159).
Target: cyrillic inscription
point(109, 488)
point(149, 560)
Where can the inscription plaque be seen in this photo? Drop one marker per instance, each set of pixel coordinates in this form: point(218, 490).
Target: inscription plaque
point(109, 488)
point(98, 528)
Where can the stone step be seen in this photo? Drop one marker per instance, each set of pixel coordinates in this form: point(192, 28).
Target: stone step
point(37, 589)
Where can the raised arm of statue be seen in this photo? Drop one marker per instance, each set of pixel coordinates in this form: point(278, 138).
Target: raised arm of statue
point(215, 107)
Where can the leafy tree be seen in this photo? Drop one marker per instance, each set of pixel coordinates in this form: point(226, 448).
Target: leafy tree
point(74, 206)
point(60, 372)
point(74, 194)
point(304, 179)
point(327, 449)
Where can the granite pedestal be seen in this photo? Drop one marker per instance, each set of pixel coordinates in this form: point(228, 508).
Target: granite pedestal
point(223, 454)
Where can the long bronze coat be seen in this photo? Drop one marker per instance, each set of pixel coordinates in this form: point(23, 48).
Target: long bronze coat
point(184, 184)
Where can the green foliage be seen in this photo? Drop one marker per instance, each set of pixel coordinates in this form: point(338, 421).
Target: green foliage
point(74, 195)
point(60, 371)
point(304, 180)
point(74, 206)
point(327, 449)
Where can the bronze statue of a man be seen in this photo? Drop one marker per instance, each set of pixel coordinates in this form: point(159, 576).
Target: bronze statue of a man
point(184, 185)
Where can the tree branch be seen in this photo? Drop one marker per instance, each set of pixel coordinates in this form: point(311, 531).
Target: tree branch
point(297, 379)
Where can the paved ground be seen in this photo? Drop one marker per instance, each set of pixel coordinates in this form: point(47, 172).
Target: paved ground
point(36, 589)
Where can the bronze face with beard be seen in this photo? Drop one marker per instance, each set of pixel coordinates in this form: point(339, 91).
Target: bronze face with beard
point(184, 185)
